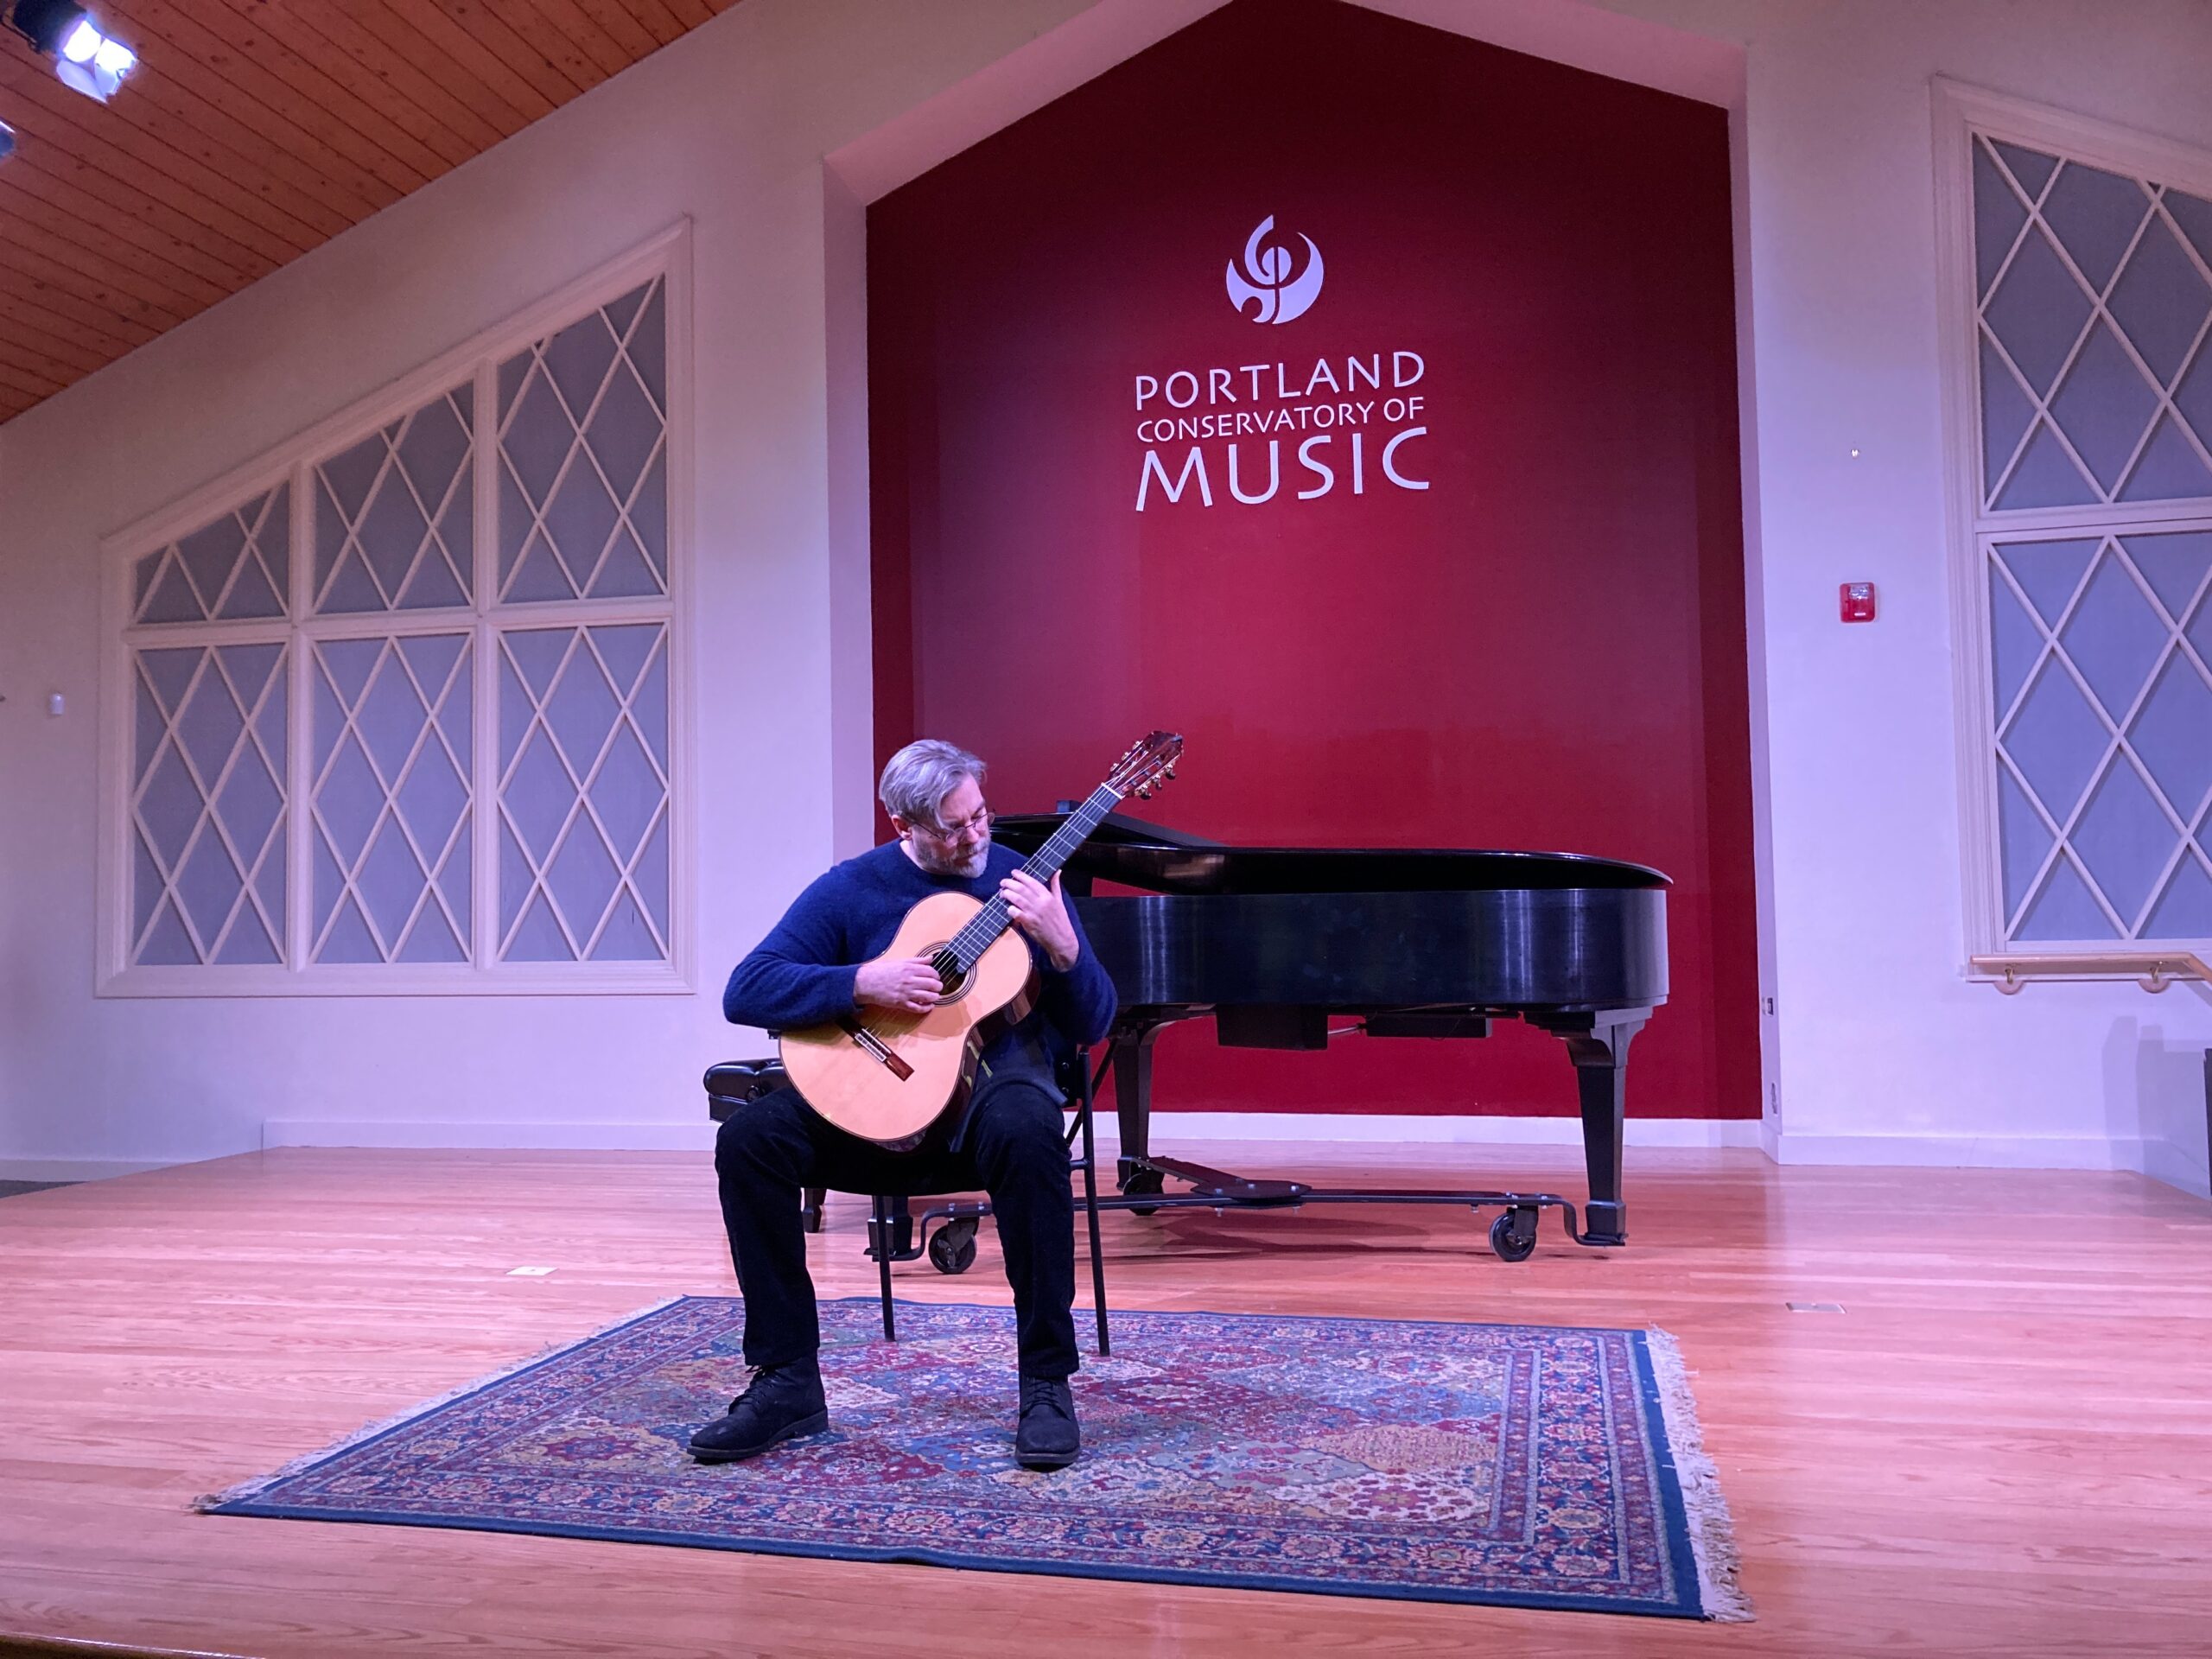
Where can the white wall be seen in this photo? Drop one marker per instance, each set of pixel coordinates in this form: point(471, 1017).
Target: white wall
point(1880, 1050)
point(1885, 1053)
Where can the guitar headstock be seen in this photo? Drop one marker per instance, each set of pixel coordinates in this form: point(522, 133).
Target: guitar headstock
point(1149, 763)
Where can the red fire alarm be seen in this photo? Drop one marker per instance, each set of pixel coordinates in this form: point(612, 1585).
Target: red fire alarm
point(1857, 601)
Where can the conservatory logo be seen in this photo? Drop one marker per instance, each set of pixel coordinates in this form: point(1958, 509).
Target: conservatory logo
point(1262, 285)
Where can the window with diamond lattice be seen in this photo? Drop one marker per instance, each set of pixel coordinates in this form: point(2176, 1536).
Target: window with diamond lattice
point(394, 514)
point(2092, 542)
point(238, 567)
point(401, 719)
point(583, 793)
point(583, 488)
point(390, 766)
point(207, 804)
point(2093, 293)
point(2104, 735)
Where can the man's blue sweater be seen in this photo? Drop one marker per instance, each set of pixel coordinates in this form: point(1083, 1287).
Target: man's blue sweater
point(802, 974)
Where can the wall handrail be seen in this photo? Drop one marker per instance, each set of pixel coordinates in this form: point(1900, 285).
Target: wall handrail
point(2155, 970)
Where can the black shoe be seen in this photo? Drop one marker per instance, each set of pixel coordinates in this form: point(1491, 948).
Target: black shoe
point(782, 1402)
point(1047, 1437)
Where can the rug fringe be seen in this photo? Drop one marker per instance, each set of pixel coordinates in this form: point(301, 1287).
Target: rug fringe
point(1713, 1536)
point(208, 1502)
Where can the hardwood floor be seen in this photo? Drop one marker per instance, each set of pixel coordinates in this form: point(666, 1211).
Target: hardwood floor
point(2003, 1446)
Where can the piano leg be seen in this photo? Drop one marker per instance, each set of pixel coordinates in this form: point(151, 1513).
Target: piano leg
point(1600, 1058)
point(1131, 1052)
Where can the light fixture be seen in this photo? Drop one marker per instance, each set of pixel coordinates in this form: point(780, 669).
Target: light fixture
point(6, 141)
point(84, 56)
point(44, 22)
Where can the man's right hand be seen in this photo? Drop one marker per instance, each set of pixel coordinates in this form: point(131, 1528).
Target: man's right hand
point(907, 984)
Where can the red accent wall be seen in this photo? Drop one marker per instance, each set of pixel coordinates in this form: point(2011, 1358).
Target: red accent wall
point(1544, 648)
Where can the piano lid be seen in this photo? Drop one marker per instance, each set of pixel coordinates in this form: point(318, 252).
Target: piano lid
point(1160, 860)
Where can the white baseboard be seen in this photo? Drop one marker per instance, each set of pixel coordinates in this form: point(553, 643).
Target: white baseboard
point(1961, 1151)
point(1169, 1129)
point(489, 1137)
point(79, 1169)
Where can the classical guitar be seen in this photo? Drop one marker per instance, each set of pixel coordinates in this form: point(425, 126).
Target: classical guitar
point(886, 1075)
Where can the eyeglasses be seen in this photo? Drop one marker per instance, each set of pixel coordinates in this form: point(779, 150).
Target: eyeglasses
point(978, 822)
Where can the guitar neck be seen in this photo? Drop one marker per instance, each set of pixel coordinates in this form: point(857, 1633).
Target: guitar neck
point(970, 944)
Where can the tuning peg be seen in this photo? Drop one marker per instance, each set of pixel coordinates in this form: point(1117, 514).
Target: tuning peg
point(1171, 771)
point(1144, 792)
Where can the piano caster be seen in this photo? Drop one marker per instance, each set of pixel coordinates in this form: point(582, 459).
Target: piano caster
point(1513, 1234)
point(1139, 1182)
point(952, 1247)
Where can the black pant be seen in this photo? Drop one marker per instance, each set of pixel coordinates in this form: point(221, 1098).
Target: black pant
point(1011, 1147)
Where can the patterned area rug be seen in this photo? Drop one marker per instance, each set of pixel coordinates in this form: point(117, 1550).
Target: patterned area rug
point(1516, 1464)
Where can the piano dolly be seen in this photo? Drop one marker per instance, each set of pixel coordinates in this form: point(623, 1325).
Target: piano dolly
point(1512, 1234)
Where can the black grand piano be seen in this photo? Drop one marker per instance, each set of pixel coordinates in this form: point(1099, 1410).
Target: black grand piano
point(1286, 946)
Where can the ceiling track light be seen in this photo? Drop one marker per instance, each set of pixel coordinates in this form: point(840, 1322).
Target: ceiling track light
point(86, 57)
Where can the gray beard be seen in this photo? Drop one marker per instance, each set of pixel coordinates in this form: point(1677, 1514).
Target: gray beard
point(966, 867)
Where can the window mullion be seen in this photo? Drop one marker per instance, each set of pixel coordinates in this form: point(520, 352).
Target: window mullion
point(298, 848)
point(483, 773)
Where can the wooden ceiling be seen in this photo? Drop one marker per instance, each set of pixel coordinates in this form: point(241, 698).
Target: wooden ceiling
point(251, 131)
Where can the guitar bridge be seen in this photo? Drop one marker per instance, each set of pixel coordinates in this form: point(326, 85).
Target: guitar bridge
point(877, 1049)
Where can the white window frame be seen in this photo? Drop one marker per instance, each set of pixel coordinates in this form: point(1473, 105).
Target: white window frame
point(1961, 112)
point(666, 255)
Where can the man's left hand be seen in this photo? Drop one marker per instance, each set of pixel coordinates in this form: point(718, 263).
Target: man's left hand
point(1040, 912)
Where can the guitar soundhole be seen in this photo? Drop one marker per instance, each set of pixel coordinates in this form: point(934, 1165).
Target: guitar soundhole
point(948, 969)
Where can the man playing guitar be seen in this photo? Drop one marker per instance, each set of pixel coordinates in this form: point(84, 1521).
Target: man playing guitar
point(818, 967)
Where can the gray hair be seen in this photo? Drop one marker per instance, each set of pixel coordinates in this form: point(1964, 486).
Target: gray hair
point(921, 775)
